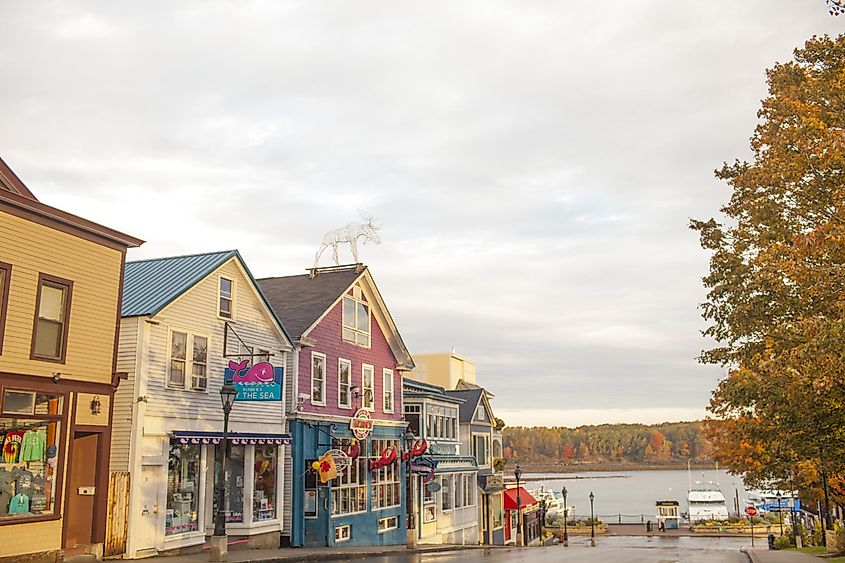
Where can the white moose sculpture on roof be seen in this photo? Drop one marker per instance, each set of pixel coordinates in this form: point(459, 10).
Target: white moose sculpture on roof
point(350, 235)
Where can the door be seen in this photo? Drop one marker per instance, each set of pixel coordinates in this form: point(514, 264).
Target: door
point(81, 490)
point(144, 535)
point(317, 527)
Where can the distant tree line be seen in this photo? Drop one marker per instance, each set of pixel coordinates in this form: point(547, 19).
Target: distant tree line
point(666, 443)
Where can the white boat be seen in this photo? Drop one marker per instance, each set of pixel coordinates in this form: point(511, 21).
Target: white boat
point(706, 502)
point(553, 499)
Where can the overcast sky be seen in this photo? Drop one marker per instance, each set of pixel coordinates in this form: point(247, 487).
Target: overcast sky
point(534, 164)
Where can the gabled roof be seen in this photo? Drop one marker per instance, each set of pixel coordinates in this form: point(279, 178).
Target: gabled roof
point(302, 300)
point(10, 182)
point(151, 285)
point(471, 399)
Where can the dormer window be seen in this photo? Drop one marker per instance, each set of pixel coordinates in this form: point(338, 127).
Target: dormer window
point(480, 414)
point(226, 300)
point(356, 318)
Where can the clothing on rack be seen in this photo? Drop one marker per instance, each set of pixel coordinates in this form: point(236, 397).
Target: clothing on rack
point(33, 445)
point(19, 504)
point(12, 446)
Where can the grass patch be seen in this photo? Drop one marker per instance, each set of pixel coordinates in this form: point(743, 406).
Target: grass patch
point(818, 550)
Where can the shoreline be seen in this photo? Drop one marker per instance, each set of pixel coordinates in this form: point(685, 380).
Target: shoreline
point(529, 468)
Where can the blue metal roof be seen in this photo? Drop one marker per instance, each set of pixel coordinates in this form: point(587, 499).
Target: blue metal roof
point(150, 285)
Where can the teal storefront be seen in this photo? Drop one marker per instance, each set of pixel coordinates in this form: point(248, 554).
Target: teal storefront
point(365, 504)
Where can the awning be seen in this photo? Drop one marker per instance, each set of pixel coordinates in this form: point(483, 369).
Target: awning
point(188, 437)
point(525, 499)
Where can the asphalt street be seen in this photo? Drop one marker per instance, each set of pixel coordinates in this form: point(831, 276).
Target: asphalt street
point(616, 550)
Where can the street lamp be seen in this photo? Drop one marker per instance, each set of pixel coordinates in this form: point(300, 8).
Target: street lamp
point(780, 514)
point(411, 533)
point(543, 512)
point(218, 541)
point(518, 473)
point(565, 519)
point(592, 522)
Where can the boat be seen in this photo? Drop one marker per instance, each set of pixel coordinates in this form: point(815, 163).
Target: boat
point(553, 502)
point(706, 502)
point(766, 500)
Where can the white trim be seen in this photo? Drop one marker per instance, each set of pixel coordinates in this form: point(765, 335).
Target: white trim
point(348, 533)
point(387, 529)
point(187, 384)
point(385, 372)
point(355, 329)
point(221, 277)
point(372, 406)
point(344, 362)
point(311, 379)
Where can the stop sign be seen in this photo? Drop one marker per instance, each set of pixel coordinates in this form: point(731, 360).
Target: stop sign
point(751, 511)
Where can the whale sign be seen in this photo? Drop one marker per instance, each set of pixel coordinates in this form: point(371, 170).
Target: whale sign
point(261, 382)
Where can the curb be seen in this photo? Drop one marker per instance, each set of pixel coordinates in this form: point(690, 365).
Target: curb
point(345, 556)
point(752, 557)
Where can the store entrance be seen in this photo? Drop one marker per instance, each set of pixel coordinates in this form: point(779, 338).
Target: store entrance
point(81, 491)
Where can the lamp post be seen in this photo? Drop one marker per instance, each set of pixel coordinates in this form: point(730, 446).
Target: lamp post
point(565, 519)
point(543, 512)
point(411, 532)
point(780, 514)
point(592, 522)
point(518, 473)
point(218, 549)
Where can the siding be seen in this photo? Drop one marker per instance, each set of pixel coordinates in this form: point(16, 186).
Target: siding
point(287, 475)
point(196, 312)
point(124, 397)
point(95, 270)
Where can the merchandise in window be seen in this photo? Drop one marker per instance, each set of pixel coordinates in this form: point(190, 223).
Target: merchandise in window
point(183, 471)
point(385, 480)
point(234, 506)
point(30, 452)
point(349, 489)
point(264, 495)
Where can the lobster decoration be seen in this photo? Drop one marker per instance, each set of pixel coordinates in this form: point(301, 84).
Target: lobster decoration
point(353, 450)
point(388, 456)
point(417, 449)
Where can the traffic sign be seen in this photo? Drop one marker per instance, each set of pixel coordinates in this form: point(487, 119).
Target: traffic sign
point(751, 511)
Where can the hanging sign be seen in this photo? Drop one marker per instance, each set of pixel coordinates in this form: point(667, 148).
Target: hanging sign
point(424, 466)
point(361, 424)
point(261, 382)
point(341, 460)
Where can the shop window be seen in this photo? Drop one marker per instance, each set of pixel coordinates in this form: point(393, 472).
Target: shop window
point(49, 341)
point(5, 278)
point(344, 384)
point(225, 309)
point(318, 379)
point(385, 480)
point(387, 524)
point(264, 494)
point(469, 489)
point(387, 390)
point(496, 510)
point(234, 506)
point(349, 489)
point(459, 491)
point(183, 471)
point(29, 455)
point(446, 492)
point(367, 387)
point(356, 319)
point(342, 533)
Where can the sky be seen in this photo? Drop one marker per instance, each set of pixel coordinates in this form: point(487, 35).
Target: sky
point(533, 164)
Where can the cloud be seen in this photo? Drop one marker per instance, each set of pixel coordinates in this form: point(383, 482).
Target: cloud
point(534, 164)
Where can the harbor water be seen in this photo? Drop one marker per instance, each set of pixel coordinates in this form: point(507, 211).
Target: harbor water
point(630, 496)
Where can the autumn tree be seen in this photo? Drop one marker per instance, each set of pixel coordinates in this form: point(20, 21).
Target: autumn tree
point(776, 286)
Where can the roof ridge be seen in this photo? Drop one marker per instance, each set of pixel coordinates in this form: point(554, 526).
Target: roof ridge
point(161, 258)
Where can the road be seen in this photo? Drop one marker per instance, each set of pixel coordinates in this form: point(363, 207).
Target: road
point(611, 549)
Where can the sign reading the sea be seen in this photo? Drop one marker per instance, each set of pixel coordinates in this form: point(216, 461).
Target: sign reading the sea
point(261, 382)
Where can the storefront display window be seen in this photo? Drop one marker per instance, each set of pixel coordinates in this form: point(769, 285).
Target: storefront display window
point(264, 496)
point(386, 480)
point(234, 483)
point(349, 489)
point(182, 491)
point(496, 510)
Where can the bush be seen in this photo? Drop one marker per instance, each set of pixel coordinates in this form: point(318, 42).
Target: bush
point(782, 542)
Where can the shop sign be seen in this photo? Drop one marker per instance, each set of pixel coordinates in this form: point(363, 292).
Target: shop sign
point(361, 424)
point(261, 382)
point(492, 483)
point(424, 466)
point(342, 461)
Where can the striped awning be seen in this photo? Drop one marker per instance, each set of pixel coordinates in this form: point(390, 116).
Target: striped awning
point(190, 437)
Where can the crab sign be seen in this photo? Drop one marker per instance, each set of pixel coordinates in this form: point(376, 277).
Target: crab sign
point(349, 235)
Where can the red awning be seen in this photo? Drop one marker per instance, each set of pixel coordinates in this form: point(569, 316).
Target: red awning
point(525, 499)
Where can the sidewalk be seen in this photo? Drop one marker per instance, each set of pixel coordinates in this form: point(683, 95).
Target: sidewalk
point(291, 554)
point(772, 556)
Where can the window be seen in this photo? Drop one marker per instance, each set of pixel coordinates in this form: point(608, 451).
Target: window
point(342, 533)
point(180, 343)
point(183, 464)
point(226, 299)
point(5, 278)
point(49, 341)
point(469, 489)
point(31, 456)
point(481, 448)
point(199, 368)
point(459, 491)
point(387, 524)
point(367, 387)
point(446, 492)
point(412, 415)
point(349, 489)
point(264, 491)
point(428, 495)
point(441, 422)
point(385, 480)
point(480, 414)
point(318, 379)
point(263, 356)
point(387, 390)
point(356, 319)
point(235, 463)
point(245, 352)
point(496, 510)
point(344, 384)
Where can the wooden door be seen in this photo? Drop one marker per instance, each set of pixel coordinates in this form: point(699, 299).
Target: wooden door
point(81, 490)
